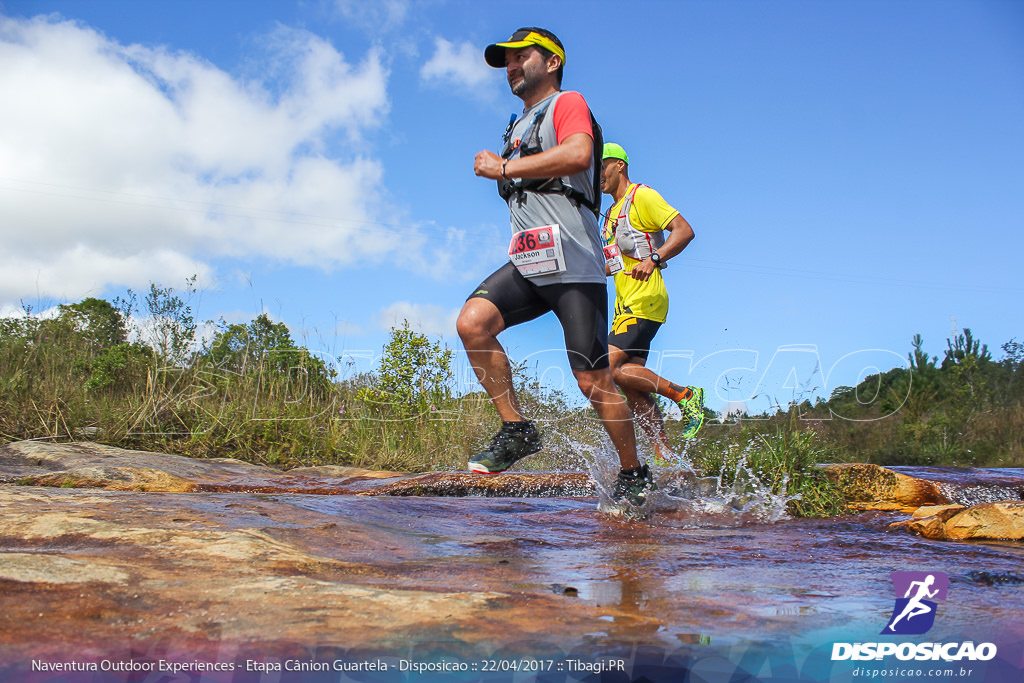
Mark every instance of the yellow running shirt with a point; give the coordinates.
(647, 213)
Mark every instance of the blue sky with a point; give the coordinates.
(854, 171)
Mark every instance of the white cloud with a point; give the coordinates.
(348, 328)
(460, 65)
(424, 318)
(380, 15)
(78, 270)
(124, 165)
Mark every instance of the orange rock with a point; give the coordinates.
(1004, 521)
(929, 521)
(115, 479)
(870, 487)
(933, 510)
(995, 521)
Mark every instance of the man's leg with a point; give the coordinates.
(632, 336)
(635, 481)
(628, 344)
(478, 326)
(637, 380)
(641, 403)
(597, 385)
(479, 323)
(636, 377)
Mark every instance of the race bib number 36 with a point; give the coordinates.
(537, 251)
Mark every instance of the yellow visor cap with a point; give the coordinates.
(494, 55)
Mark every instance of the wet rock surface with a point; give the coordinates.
(870, 487)
(85, 569)
(93, 465)
(229, 560)
(36, 458)
(998, 521)
(514, 484)
(951, 503)
(970, 485)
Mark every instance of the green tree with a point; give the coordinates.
(414, 374)
(172, 324)
(98, 321)
(914, 393)
(261, 343)
(95, 335)
(122, 365)
(265, 348)
(966, 375)
(965, 346)
(1009, 383)
(1014, 359)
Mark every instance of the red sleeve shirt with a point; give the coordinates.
(571, 116)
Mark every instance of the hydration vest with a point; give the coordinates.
(636, 244)
(533, 144)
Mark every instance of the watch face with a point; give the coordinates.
(656, 257)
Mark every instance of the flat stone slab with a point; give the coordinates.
(507, 484)
(28, 458)
(93, 465)
(84, 568)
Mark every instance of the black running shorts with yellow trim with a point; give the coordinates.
(633, 335)
(581, 308)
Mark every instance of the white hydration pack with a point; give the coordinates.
(636, 244)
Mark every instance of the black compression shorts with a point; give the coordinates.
(633, 335)
(581, 308)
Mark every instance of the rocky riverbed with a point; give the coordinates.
(118, 556)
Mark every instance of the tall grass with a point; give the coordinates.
(202, 410)
(777, 455)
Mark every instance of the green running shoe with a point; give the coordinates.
(693, 412)
(512, 443)
(634, 487)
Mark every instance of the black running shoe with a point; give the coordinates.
(515, 441)
(634, 487)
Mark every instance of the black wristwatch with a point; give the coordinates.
(656, 257)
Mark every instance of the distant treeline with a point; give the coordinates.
(966, 409)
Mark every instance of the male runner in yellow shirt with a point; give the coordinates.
(647, 232)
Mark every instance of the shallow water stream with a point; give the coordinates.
(689, 594)
(678, 591)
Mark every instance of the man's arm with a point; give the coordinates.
(573, 155)
(680, 235)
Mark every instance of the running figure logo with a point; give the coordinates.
(914, 612)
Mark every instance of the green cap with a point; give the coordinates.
(613, 151)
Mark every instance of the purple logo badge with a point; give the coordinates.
(916, 593)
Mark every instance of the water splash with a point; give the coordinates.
(685, 496)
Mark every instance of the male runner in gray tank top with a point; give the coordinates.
(546, 174)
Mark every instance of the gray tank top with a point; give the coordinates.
(580, 231)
